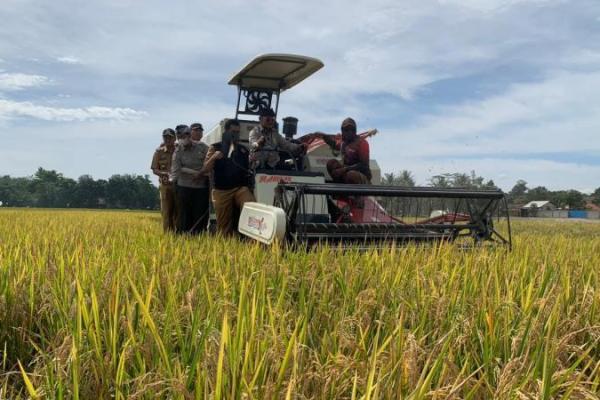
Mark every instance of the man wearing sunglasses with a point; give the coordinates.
(354, 167)
(266, 143)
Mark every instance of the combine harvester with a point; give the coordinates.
(302, 206)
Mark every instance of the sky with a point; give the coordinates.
(507, 88)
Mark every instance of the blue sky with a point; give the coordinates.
(508, 88)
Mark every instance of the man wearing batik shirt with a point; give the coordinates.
(161, 167)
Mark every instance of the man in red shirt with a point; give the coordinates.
(354, 167)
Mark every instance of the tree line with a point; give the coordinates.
(520, 194)
(572, 199)
(48, 188)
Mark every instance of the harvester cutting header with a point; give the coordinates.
(324, 188)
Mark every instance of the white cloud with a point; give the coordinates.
(69, 60)
(19, 81)
(553, 116)
(556, 115)
(409, 43)
(178, 56)
(488, 6)
(13, 109)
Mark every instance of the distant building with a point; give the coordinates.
(591, 206)
(544, 205)
(531, 209)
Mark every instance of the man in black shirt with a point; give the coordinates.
(229, 162)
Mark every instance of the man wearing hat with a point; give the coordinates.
(197, 131)
(354, 167)
(161, 167)
(191, 184)
(180, 130)
(266, 143)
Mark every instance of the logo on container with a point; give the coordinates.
(257, 224)
(274, 179)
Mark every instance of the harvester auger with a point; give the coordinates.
(369, 215)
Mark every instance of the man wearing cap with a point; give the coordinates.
(180, 130)
(197, 131)
(161, 167)
(229, 162)
(354, 167)
(192, 185)
(266, 143)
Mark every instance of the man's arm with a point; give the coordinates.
(255, 139)
(286, 145)
(176, 165)
(330, 140)
(195, 173)
(154, 166)
(211, 158)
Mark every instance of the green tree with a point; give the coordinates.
(575, 199)
(519, 189)
(461, 180)
(538, 193)
(131, 191)
(596, 197)
(51, 189)
(440, 181)
(89, 193)
(48, 188)
(15, 192)
(404, 178)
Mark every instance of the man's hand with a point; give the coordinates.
(338, 173)
(198, 176)
(261, 141)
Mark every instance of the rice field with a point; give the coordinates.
(98, 305)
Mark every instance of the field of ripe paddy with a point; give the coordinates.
(101, 304)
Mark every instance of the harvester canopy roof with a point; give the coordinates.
(276, 71)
